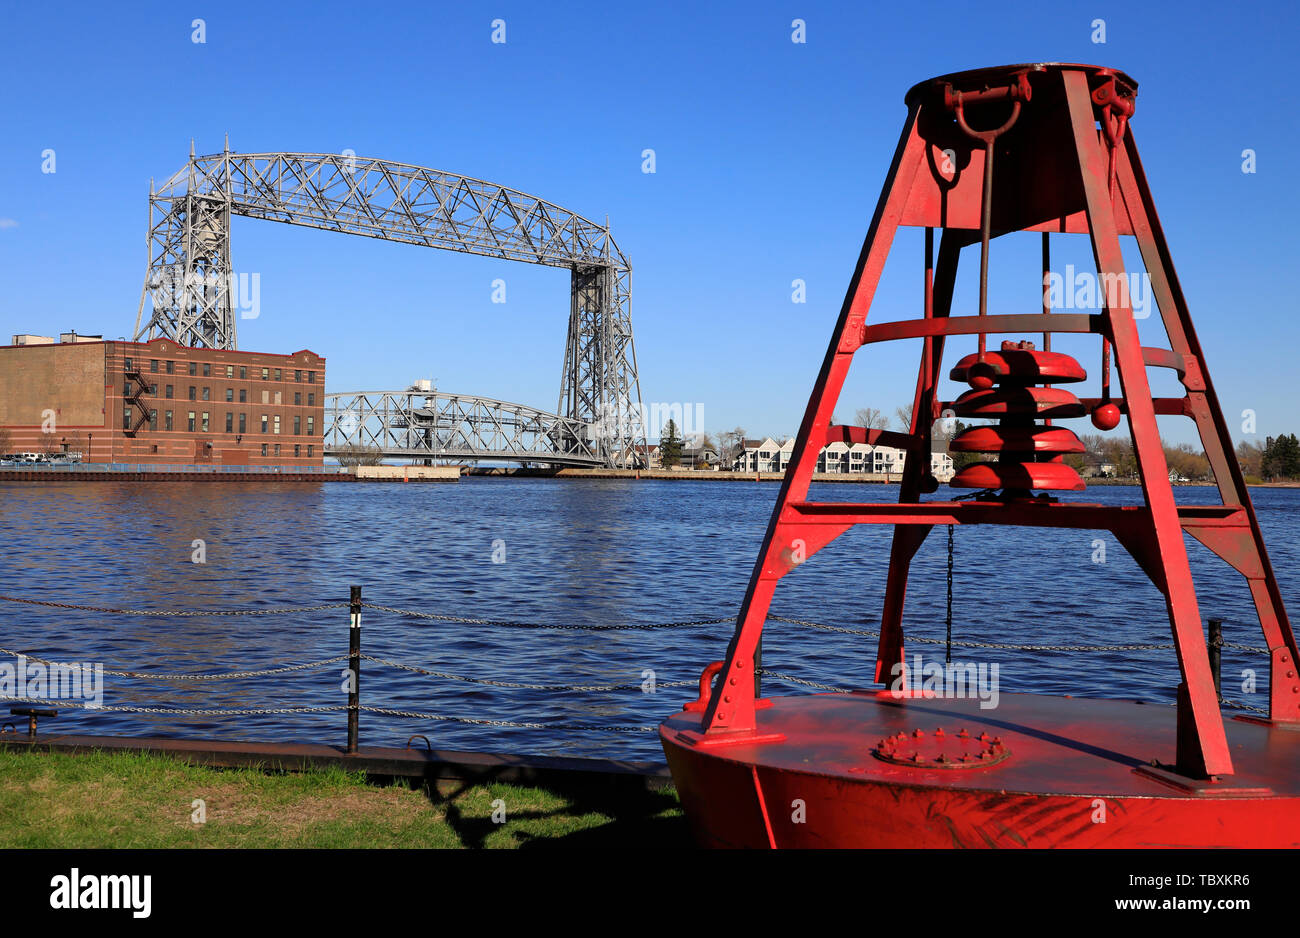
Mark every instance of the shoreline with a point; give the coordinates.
(445, 474)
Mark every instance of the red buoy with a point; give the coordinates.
(1039, 148)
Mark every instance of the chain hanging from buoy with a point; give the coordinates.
(948, 619)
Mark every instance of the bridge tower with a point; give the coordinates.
(194, 293)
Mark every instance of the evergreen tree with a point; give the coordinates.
(670, 446)
(1281, 459)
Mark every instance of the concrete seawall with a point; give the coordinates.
(706, 475)
(146, 475)
(408, 473)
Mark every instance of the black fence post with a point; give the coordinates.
(1216, 656)
(354, 665)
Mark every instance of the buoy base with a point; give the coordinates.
(1060, 772)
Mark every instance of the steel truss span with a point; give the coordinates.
(436, 425)
(191, 286)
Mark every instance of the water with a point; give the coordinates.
(576, 552)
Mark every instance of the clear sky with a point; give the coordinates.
(769, 154)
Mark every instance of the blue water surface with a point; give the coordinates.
(576, 552)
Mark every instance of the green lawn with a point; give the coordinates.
(128, 800)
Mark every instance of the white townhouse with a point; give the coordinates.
(858, 459)
(758, 456)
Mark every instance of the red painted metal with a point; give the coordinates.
(1030, 439)
(1006, 401)
(1051, 476)
(1041, 366)
(1066, 161)
(1073, 774)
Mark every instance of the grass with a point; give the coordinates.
(128, 800)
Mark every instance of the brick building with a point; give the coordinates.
(159, 402)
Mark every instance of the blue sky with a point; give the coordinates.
(770, 156)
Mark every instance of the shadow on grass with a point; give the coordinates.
(635, 816)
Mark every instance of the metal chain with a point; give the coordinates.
(550, 687)
(526, 726)
(798, 680)
(251, 711)
(685, 623)
(1241, 706)
(688, 623)
(219, 676)
(174, 711)
(948, 620)
(939, 641)
(165, 614)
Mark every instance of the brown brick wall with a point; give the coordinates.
(67, 379)
(61, 376)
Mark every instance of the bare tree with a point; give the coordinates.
(6, 438)
(1249, 455)
(49, 444)
(870, 418)
(731, 442)
(904, 417)
(357, 455)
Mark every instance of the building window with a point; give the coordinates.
(207, 394)
(243, 373)
(277, 374)
(230, 371)
(230, 395)
(311, 421)
(243, 422)
(167, 420)
(153, 365)
(230, 421)
(265, 421)
(263, 449)
(243, 395)
(205, 421)
(266, 373)
(278, 398)
(277, 423)
(297, 450)
(126, 419)
(297, 398)
(311, 377)
(190, 422)
(192, 389)
(153, 420)
(194, 368)
(266, 397)
(277, 449)
(311, 399)
(297, 425)
(171, 368)
(310, 447)
(128, 365)
(297, 375)
(169, 390)
(153, 389)
(207, 370)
